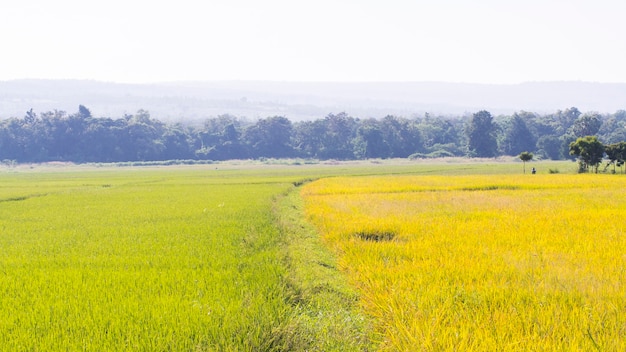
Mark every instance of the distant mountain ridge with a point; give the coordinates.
(195, 101)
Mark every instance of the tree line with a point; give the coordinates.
(80, 137)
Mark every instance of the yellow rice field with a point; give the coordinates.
(482, 262)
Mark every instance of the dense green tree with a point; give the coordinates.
(565, 119)
(53, 134)
(549, 146)
(141, 137)
(541, 125)
(616, 153)
(481, 135)
(177, 143)
(517, 137)
(589, 151)
(13, 141)
(30, 117)
(221, 139)
(73, 140)
(24, 139)
(613, 129)
(309, 137)
(84, 112)
(441, 136)
(370, 142)
(438, 131)
(270, 137)
(231, 146)
(401, 136)
(337, 140)
(587, 125)
(566, 141)
(102, 145)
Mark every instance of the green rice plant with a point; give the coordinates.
(154, 260)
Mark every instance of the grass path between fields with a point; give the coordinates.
(326, 316)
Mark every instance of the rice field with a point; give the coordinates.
(141, 260)
(481, 262)
(259, 258)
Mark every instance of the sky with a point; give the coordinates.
(473, 41)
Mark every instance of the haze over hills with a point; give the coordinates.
(194, 101)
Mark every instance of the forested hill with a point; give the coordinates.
(196, 101)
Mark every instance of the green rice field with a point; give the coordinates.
(148, 260)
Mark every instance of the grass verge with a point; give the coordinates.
(326, 316)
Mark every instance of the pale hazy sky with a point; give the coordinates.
(482, 41)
